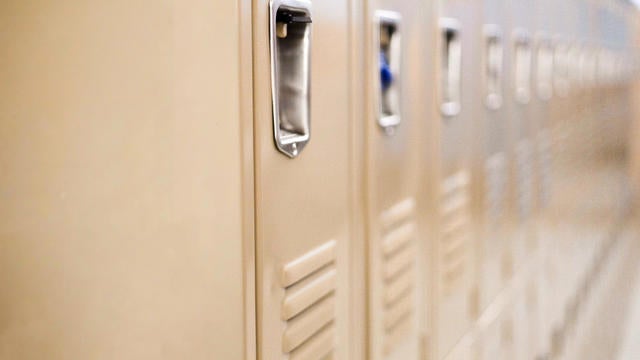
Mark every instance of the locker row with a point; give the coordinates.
(305, 179)
(463, 166)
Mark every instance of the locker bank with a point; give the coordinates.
(307, 180)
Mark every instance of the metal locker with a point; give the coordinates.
(552, 238)
(303, 151)
(584, 232)
(456, 293)
(396, 57)
(491, 156)
(549, 81)
(551, 137)
(543, 83)
(128, 198)
(521, 92)
(576, 123)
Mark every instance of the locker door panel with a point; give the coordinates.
(521, 45)
(456, 246)
(393, 227)
(123, 158)
(550, 70)
(302, 199)
(492, 155)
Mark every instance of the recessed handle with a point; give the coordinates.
(387, 72)
(544, 68)
(290, 42)
(494, 55)
(561, 68)
(451, 72)
(522, 66)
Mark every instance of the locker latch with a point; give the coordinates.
(290, 43)
(388, 48)
(494, 54)
(451, 72)
(544, 67)
(522, 65)
(560, 67)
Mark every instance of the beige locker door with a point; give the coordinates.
(456, 304)
(394, 137)
(562, 108)
(522, 91)
(302, 203)
(121, 149)
(550, 84)
(492, 155)
(543, 92)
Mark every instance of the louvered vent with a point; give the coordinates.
(398, 267)
(496, 182)
(545, 159)
(455, 229)
(309, 305)
(524, 169)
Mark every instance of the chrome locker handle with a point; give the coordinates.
(561, 67)
(544, 68)
(451, 72)
(290, 45)
(493, 66)
(522, 66)
(387, 73)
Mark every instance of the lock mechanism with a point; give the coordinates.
(290, 42)
(387, 56)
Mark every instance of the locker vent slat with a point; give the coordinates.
(544, 161)
(300, 299)
(398, 272)
(524, 174)
(495, 170)
(308, 306)
(454, 239)
(317, 348)
(308, 263)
